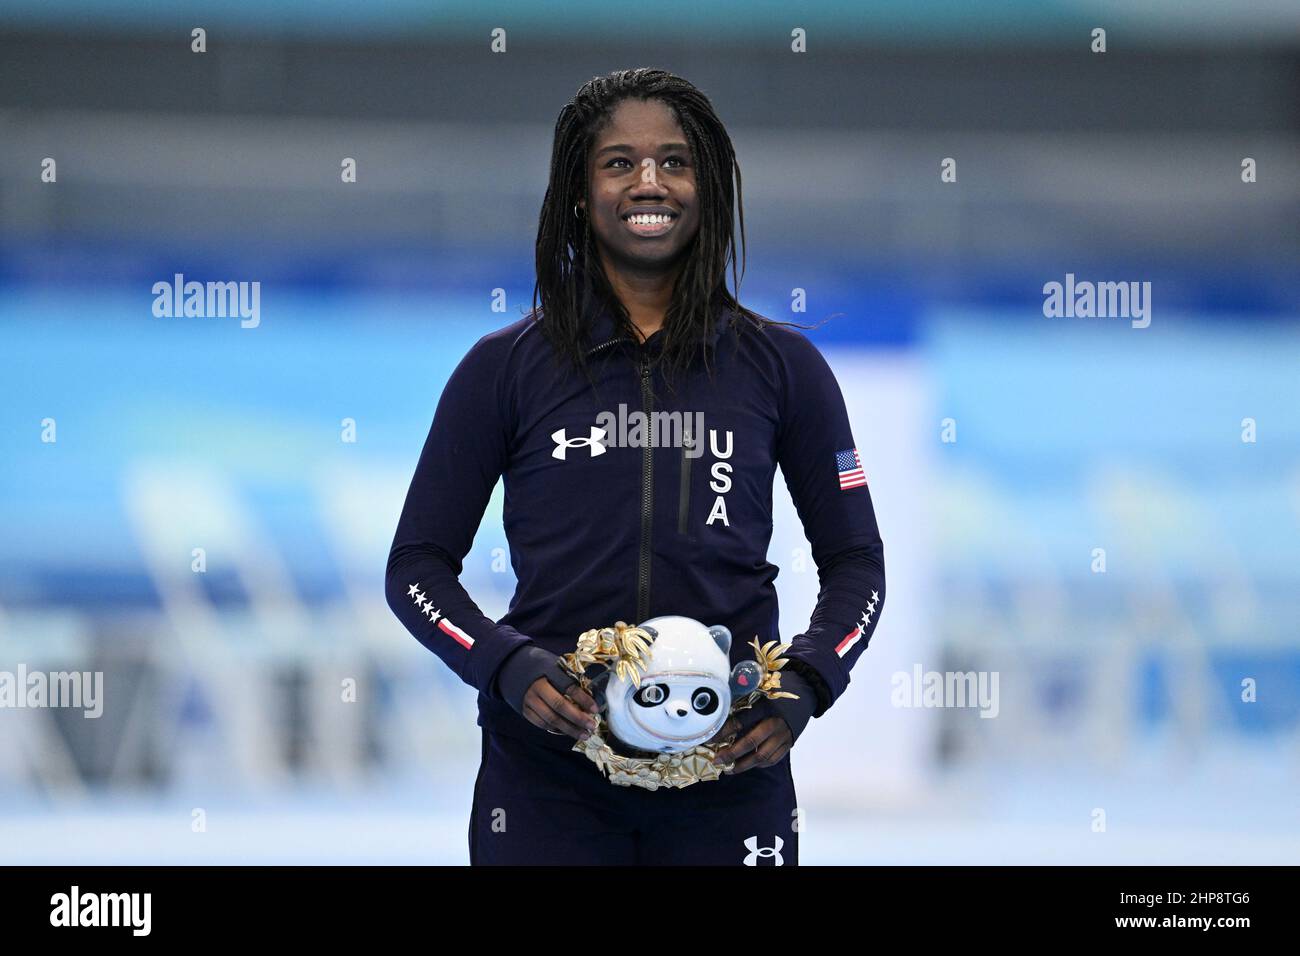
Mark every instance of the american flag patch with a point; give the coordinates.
(846, 643)
(432, 613)
(850, 468)
(455, 633)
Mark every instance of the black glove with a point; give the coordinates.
(522, 667)
(795, 713)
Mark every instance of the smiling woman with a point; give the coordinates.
(638, 215)
(659, 202)
(632, 247)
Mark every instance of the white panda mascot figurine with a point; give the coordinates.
(685, 692)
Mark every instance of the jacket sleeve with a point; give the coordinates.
(463, 456)
(827, 481)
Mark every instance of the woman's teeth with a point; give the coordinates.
(642, 220)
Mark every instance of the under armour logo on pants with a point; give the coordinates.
(756, 851)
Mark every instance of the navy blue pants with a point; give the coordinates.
(538, 806)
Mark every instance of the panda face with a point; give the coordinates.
(704, 700)
(677, 711)
(682, 696)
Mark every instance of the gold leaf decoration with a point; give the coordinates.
(626, 649)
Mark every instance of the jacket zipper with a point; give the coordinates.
(684, 494)
(647, 503)
(647, 492)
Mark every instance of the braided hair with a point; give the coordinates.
(569, 274)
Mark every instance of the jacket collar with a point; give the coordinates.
(601, 331)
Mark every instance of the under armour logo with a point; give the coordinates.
(756, 851)
(563, 443)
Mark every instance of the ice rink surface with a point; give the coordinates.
(1229, 809)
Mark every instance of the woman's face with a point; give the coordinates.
(641, 164)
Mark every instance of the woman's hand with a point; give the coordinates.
(573, 712)
(769, 728)
(764, 743)
(533, 682)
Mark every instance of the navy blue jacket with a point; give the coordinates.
(601, 530)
